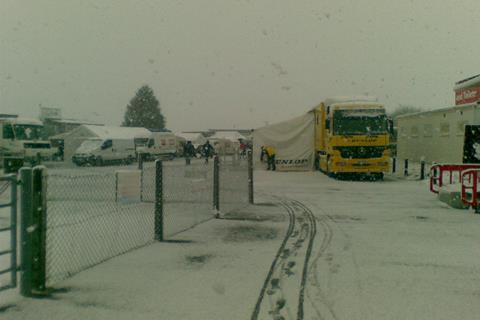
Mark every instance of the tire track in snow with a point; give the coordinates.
(295, 252)
(314, 274)
(313, 232)
(274, 265)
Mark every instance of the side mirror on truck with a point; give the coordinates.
(390, 127)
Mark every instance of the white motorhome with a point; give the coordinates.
(97, 152)
(23, 138)
(437, 135)
(158, 144)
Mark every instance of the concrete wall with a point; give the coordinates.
(436, 136)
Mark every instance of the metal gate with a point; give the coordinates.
(9, 182)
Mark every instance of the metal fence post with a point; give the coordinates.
(13, 231)
(422, 170)
(405, 168)
(140, 167)
(394, 164)
(159, 200)
(39, 235)
(250, 176)
(216, 186)
(26, 198)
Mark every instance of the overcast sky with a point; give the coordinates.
(231, 63)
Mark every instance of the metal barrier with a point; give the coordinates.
(443, 174)
(470, 180)
(9, 182)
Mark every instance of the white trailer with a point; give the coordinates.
(435, 136)
(159, 144)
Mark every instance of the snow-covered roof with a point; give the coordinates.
(469, 82)
(345, 99)
(110, 132)
(227, 135)
(193, 137)
(362, 104)
(446, 109)
(25, 121)
(74, 121)
(188, 135)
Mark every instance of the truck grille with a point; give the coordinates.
(33, 145)
(361, 152)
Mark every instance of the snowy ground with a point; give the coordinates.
(374, 250)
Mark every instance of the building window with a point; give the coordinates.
(403, 132)
(414, 132)
(427, 130)
(445, 129)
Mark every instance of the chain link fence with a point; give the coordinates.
(187, 193)
(89, 222)
(233, 183)
(94, 214)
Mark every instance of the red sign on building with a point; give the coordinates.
(467, 95)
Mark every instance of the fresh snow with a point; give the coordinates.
(382, 250)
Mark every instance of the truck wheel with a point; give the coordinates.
(130, 160)
(378, 176)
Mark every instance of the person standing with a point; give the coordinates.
(207, 150)
(262, 153)
(243, 149)
(188, 151)
(270, 152)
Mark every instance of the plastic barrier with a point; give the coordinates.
(443, 174)
(470, 187)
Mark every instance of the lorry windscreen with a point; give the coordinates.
(359, 122)
(28, 132)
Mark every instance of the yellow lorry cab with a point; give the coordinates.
(352, 137)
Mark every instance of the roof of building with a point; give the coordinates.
(468, 82)
(24, 121)
(74, 121)
(446, 109)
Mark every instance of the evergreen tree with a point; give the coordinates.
(144, 111)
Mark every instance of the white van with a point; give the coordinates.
(159, 145)
(97, 152)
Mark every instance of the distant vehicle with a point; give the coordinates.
(352, 137)
(158, 145)
(23, 139)
(98, 152)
